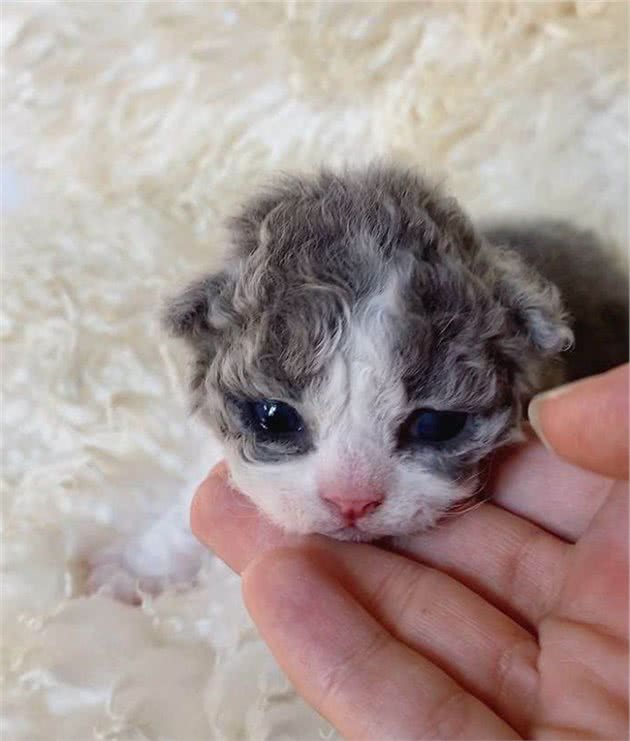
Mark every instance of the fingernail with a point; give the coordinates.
(535, 405)
(533, 414)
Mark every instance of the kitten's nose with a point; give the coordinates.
(354, 509)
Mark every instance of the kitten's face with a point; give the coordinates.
(356, 456)
(362, 355)
(364, 430)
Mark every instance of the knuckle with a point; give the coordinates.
(449, 717)
(515, 673)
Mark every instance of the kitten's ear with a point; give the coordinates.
(535, 306)
(191, 315)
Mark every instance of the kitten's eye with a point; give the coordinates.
(433, 426)
(272, 418)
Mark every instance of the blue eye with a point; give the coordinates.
(272, 418)
(433, 426)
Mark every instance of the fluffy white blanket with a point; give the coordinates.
(129, 131)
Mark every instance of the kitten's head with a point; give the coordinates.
(362, 351)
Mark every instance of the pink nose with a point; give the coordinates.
(354, 509)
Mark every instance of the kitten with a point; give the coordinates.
(365, 348)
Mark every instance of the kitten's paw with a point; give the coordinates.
(164, 554)
(111, 573)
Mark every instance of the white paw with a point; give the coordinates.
(111, 573)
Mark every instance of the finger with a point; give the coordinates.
(513, 564)
(486, 652)
(587, 422)
(531, 482)
(347, 666)
(229, 524)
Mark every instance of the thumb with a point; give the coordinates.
(586, 422)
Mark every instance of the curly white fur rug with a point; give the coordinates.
(129, 131)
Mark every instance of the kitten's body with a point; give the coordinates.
(360, 299)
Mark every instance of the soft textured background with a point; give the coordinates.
(129, 131)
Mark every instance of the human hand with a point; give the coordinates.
(510, 621)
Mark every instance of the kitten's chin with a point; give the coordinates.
(352, 535)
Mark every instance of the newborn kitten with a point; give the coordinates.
(365, 348)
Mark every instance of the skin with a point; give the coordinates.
(508, 622)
